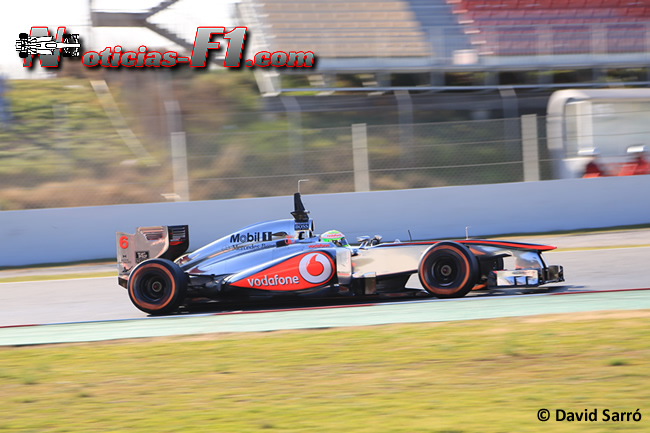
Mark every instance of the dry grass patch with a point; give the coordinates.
(473, 376)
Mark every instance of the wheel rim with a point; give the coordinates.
(445, 270)
(154, 288)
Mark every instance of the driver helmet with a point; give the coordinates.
(336, 237)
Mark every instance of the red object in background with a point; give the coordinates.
(593, 170)
(638, 166)
(642, 166)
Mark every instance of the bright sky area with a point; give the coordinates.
(19, 16)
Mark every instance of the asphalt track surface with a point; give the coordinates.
(613, 266)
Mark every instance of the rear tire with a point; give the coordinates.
(157, 286)
(448, 270)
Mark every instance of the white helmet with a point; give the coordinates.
(336, 237)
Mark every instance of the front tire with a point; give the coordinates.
(448, 270)
(157, 286)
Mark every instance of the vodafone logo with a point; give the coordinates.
(300, 272)
(315, 268)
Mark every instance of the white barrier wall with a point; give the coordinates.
(73, 234)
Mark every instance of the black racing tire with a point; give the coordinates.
(448, 270)
(23, 35)
(157, 286)
(22, 54)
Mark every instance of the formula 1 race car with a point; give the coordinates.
(285, 258)
(45, 45)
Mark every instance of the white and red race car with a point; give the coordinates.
(285, 258)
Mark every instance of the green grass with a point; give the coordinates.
(475, 376)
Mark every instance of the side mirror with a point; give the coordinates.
(364, 241)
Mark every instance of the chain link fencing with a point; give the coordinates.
(268, 163)
(234, 164)
(445, 154)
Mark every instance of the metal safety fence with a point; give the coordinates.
(443, 154)
(228, 165)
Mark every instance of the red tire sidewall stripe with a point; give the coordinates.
(146, 304)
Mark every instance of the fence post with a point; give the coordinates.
(360, 157)
(405, 117)
(530, 147)
(179, 152)
(62, 139)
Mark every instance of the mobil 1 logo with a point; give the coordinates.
(241, 238)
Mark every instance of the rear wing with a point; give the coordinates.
(168, 242)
